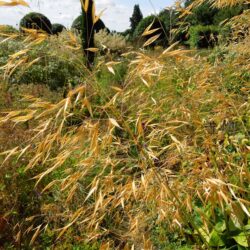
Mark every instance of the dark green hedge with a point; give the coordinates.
(35, 20)
(57, 28)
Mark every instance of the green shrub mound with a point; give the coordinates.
(99, 25)
(54, 69)
(203, 36)
(78, 23)
(57, 28)
(37, 21)
(157, 24)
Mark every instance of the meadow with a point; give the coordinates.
(146, 149)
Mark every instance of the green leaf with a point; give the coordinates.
(242, 239)
(220, 227)
(215, 240)
(234, 224)
(203, 232)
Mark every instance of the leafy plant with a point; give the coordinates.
(203, 36)
(54, 67)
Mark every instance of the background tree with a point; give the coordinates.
(202, 15)
(136, 17)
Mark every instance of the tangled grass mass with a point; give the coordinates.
(146, 148)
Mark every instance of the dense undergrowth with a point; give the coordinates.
(149, 150)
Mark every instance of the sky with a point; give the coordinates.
(116, 16)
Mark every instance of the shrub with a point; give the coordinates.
(37, 21)
(57, 28)
(203, 14)
(203, 36)
(127, 33)
(99, 25)
(227, 13)
(7, 29)
(78, 23)
(55, 68)
(157, 24)
(115, 42)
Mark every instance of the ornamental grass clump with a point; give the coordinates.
(165, 151)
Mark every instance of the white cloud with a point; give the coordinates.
(65, 11)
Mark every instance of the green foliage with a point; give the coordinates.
(127, 33)
(77, 24)
(170, 20)
(7, 29)
(163, 239)
(136, 17)
(227, 13)
(203, 36)
(57, 28)
(8, 48)
(106, 79)
(35, 20)
(56, 73)
(99, 25)
(157, 23)
(223, 230)
(201, 15)
(55, 69)
(205, 14)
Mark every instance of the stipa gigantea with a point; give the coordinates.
(113, 188)
(143, 160)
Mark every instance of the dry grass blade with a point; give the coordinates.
(151, 40)
(14, 3)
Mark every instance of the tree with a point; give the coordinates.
(203, 14)
(136, 17)
(227, 13)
